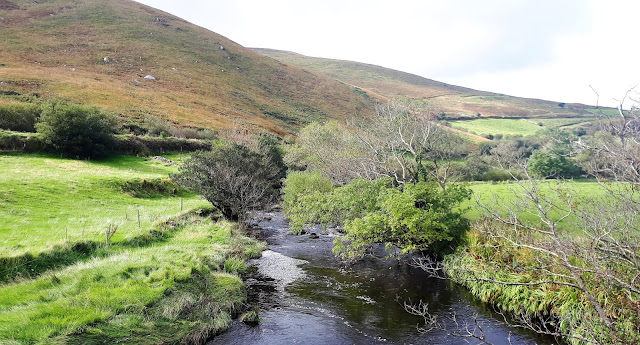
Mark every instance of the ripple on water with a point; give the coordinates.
(281, 268)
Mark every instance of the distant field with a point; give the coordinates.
(488, 192)
(514, 126)
(46, 200)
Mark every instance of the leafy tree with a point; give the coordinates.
(331, 149)
(419, 218)
(553, 163)
(333, 207)
(77, 131)
(232, 178)
(269, 146)
(301, 183)
(19, 117)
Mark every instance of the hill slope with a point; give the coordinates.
(455, 101)
(98, 52)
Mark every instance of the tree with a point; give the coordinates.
(333, 150)
(553, 238)
(400, 141)
(418, 218)
(232, 178)
(77, 131)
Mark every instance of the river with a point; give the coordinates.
(307, 296)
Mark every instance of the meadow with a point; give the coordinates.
(170, 277)
(505, 192)
(515, 127)
(47, 201)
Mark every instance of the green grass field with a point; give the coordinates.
(172, 278)
(47, 201)
(515, 126)
(135, 294)
(493, 193)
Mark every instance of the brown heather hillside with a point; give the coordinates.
(455, 101)
(57, 48)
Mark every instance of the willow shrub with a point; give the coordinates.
(317, 204)
(415, 218)
(419, 218)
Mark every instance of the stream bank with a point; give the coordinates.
(306, 295)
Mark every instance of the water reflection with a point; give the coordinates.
(362, 304)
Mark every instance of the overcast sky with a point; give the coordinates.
(549, 49)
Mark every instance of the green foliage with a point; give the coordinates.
(419, 218)
(152, 188)
(328, 148)
(77, 131)
(333, 207)
(232, 178)
(269, 147)
(20, 141)
(19, 117)
(554, 162)
(485, 259)
(301, 183)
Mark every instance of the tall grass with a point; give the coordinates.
(151, 285)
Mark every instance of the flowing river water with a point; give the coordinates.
(307, 296)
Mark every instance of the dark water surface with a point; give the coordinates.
(308, 297)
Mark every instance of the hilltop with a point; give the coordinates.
(100, 52)
(454, 101)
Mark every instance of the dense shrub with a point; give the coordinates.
(232, 178)
(152, 188)
(419, 218)
(269, 147)
(144, 146)
(550, 163)
(24, 142)
(77, 131)
(334, 207)
(301, 183)
(496, 175)
(19, 117)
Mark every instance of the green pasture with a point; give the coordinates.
(143, 294)
(514, 126)
(507, 192)
(47, 201)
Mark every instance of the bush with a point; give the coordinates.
(336, 206)
(77, 131)
(156, 126)
(232, 178)
(496, 175)
(548, 163)
(144, 146)
(151, 188)
(19, 117)
(25, 142)
(300, 183)
(420, 218)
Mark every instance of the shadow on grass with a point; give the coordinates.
(29, 266)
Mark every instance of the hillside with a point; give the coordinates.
(455, 101)
(98, 52)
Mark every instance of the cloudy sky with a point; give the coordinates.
(549, 49)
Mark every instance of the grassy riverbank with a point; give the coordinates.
(554, 308)
(170, 278)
